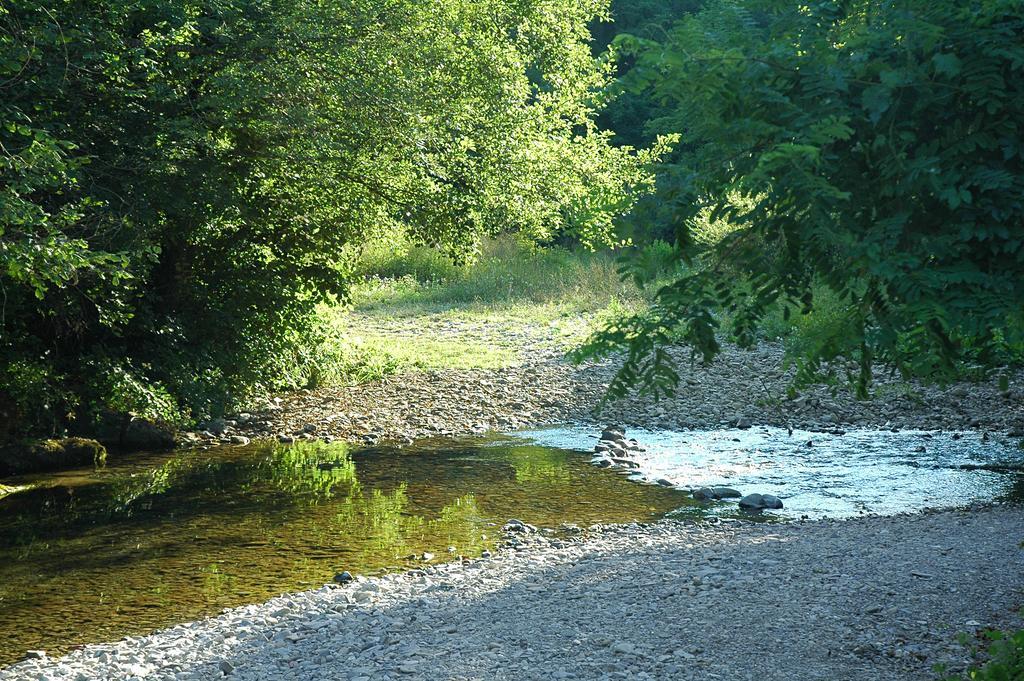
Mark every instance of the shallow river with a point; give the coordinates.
(92, 555)
(826, 474)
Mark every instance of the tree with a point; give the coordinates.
(181, 182)
(870, 149)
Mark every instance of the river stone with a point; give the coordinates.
(50, 454)
(216, 426)
(704, 494)
(343, 577)
(612, 434)
(760, 501)
(726, 493)
(752, 501)
(519, 526)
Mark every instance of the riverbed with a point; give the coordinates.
(96, 554)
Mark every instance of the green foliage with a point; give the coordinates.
(875, 149)
(628, 113)
(183, 184)
(1005, 659)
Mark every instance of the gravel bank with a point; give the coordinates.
(866, 599)
(740, 387)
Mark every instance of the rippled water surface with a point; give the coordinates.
(822, 474)
(92, 555)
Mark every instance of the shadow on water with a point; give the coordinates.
(91, 555)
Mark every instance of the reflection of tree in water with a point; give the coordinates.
(462, 525)
(187, 485)
(539, 464)
(384, 525)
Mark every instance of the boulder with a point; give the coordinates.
(726, 493)
(752, 501)
(704, 494)
(216, 426)
(143, 434)
(133, 433)
(613, 434)
(50, 455)
(716, 493)
(758, 502)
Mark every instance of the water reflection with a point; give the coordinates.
(92, 555)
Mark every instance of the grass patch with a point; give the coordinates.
(415, 353)
(507, 273)
(412, 309)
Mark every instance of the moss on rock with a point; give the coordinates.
(49, 455)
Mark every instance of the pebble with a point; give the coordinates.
(540, 388)
(671, 600)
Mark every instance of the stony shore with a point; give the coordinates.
(861, 600)
(740, 387)
(866, 599)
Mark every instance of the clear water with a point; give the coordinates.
(93, 555)
(859, 472)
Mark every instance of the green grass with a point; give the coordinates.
(412, 309)
(507, 273)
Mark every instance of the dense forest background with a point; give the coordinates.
(183, 185)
